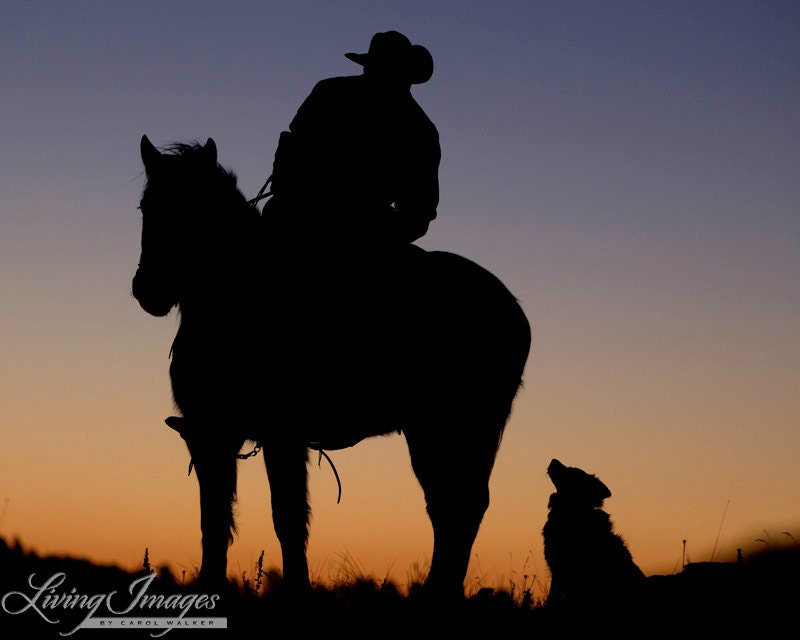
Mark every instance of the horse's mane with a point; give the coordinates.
(228, 180)
(177, 148)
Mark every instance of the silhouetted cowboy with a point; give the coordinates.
(354, 184)
(357, 171)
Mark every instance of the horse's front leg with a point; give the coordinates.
(286, 462)
(215, 466)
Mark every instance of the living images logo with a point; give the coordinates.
(53, 601)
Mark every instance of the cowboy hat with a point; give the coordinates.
(390, 52)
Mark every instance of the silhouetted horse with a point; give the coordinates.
(443, 368)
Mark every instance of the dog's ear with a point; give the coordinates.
(575, 486)
(599, 491)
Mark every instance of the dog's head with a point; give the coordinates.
(575, 487)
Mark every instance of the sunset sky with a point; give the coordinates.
(630, 169)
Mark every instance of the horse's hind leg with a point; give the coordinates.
(215, 466)
(454, 471)
(287, 471)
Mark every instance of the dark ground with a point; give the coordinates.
(758, 596)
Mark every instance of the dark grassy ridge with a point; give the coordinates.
(760, 595)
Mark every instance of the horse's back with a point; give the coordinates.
(477, 303)
(462, 340)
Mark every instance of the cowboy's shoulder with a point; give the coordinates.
(338, 85)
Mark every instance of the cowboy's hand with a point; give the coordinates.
(410, 228)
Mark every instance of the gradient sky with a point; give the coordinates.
(629, 169)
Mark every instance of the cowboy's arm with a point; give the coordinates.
(291, 155)
(416, 207)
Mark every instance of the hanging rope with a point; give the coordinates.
(330, 462)
(178, 423)
(312, 445)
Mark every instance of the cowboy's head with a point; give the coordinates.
(392, 58)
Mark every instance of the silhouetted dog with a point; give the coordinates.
(590, 565)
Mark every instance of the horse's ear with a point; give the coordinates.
(150, 154)
(211, 150)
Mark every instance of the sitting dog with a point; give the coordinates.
(591, 567)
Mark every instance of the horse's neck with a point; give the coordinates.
(225, 274)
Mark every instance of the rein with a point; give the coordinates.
(262, 193)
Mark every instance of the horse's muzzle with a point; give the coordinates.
(152, 294)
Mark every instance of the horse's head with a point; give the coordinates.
(175, 206)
